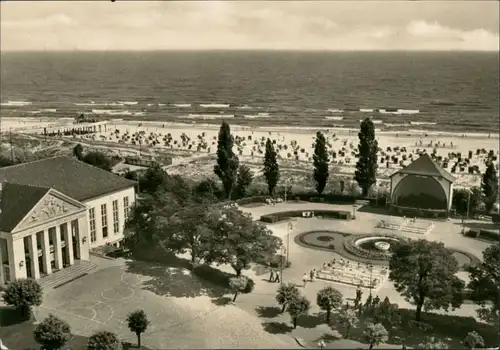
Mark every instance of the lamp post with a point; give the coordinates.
(467, 214)
(282, 254)
(289, 227)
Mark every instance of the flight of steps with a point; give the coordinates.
(79, 268)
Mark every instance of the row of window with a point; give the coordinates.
(104, 218)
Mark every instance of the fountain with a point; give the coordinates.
(381, 245)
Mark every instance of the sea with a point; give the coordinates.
(435, 91)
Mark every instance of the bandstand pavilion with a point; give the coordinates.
(53, 211)
(422, 187)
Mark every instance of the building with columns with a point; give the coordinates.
(53, 211)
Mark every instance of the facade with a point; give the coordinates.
(53, 211)
(422, 185)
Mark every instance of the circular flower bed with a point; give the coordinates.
(361, 245)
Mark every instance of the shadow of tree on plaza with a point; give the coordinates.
(175, 277)
(10, 316)
(328, 337)
(268, 311)
(311, 320)
(277, 327)
(221, 301)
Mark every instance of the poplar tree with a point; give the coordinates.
(320, 162)
(227, 162)
(366, 167)
(489, 185)
(271, 167)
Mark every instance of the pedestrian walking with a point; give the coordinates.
(304, 279)
(271, 276)
(278, 277)
(311, 275)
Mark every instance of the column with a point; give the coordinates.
(68, 237)
(17, 264)
(46, 253)
(58, 248)
(2, 279)
(33, 251)
(84, 238)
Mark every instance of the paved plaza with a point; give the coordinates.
(186, 313)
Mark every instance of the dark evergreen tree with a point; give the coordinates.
(366, 167)
(227, 162)
(271, 167)
(78, 151)
(489, 186)
(320, 162)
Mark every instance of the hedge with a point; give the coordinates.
(286, 215)
(251, 200)
(486, 234)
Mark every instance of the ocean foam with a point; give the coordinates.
(334, 118)
(94, 104)
(209, 116)
(374, 121)
(258, 115)
(214, 105)
(182, 105)
(366, 110)
(244, 107)
(423, 123)
(128, 103)
(49, 110)
(399, 111)
(15, 104)
(161, 104)
(335, 110)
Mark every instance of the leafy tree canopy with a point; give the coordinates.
(485, 284)
(489, 186)
(424, 273)
(227, 162)
(98, 159)
(103, 340)
(286, 292)
(375, 334)
(22, 294)
(244, 180)
(52, 333)
(329, 299)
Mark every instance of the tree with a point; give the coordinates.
(238, 284)
(347, 319)
(329, 299)
(431, 343)
(464, 199)
(78, 151)
(153, 179)
(297, 307)
(4, 161)
(375, 334)
(131, 175)
(138, 323)
(424, 273)
(271, 167)
(207, 188)
(473, 340)
(23, 294)
(286, 293)
(386, 313)
(188, 230)
(485, 284)
(489, 186)
(227, 162)
(237, 240)
(99, 160)
(321, 161)
(52, 333)
(103, 340)
(366, 167)
(244, 180)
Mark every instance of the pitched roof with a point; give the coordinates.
(16, 201)
(67, 175)
(425, 165)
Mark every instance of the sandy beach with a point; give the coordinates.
(294, 145)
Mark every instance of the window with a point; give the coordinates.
(126, 208)
(116, 221)
(93, 237)
(104, 220)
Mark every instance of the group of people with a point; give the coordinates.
(275, 276)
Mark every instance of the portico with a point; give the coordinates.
(50, 236)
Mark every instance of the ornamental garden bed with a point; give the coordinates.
(368, 252)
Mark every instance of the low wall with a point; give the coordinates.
(418, 212)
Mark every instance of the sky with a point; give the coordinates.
(239, 25)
